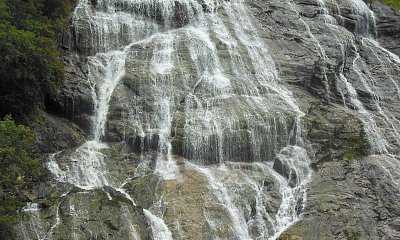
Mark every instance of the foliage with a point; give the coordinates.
(6, 230)
(17, 168)
(29, 70)
(29, 64)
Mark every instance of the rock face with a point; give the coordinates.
(83, 215)
(74, 101)
(344, 197)
(56, 134)
(388, 26)
(356, 199)
(210, 119)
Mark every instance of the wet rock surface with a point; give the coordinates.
(86, 214)
(209, 216)
(351, 199)
(344, 200)
(388, 22)
(74, 100)
(328, 58)
(55, 134)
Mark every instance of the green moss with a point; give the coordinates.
(357, 146)
(39, 120)
(350, 155)
(351, 234)
(395, 4)
(293, 233)
(47, 202)
(178, 140)
(117, 199)
(113, 202)
(242, 124)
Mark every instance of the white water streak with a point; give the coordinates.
(159, 229)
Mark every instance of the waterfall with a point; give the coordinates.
(160, 230)
(365, 30)
(195, 134)
(204, 88)
(320, 49)
(378, 137)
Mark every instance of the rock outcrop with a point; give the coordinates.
(388, 30)
(352, 199)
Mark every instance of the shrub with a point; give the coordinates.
(16, 166)
(16, 169)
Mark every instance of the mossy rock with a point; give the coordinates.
(143, 189)
(350, 155)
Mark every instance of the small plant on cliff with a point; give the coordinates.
(350, 155)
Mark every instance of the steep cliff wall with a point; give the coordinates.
(325, 49)
(225, 119)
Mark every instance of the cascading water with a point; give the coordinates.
(187, 95)
(88, 170)
(365, 30)
(320, 49)
(204, 113)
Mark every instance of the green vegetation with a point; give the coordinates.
(392, 3)
(350, 155)
(30, 69)
(17, 170)
(29, 64)
(16, 166)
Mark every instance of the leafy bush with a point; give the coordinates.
(29, 68)
(17, 168)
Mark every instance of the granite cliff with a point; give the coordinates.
(203, 119)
